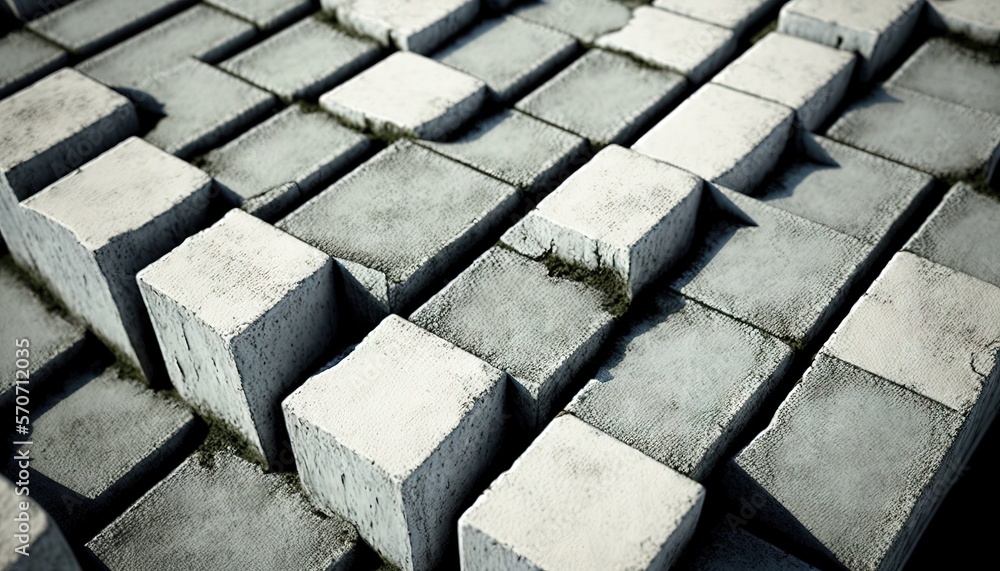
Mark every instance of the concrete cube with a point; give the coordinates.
(660, 38)
(407, 95)
(948, 71)
(540, 329)
(266, 14)
(241, 311)
(43, 548)
(395, 436)
(729, 548)
(737, 15)
(511, 55)
(26, 58)
(977, 19)
(226, 514)
(587, 97)
(415, 233)
(303, 61)
(579, 499)
(723, 136)
(412, 26)
(664, 391)
(808, 77)
(582, 19)
(622, 211)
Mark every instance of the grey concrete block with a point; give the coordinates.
(413, 233)
(410, 26)
(26, 58)
(509, 54)
(737, 15)
(266, 14)
(723, 136)
(660, 38)
(241, 312)
(729, 548)
(395, 436)
(587, 98)
(304, 61)
(951, 72)
(664, 391)
(977, 19)
(283, 161)
(407, 94)
(507, 310)
(583, 19)
(26, 10)
(226, 515)
(579, 499)
(43, 547)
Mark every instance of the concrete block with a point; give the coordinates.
(729, 548)
(93, 230)
(507, 310)
(622, 211)
(85, 27)
(723, 136)
(518, 149)
(951, 72)
(511, 55)
(395, 437)
(241, 312)
(962, 234)
(26, 10)
(877, 31)
(266, 14)
(851, 466)
(280, 163)
(579, 499)
(46, 548)
(808, 77)
(407, 94)
(977, 19)
(202, 106)
(935, 136)
(586, 98)
(737, 15)
(416, 233)
(222, 515)
(304, 61)
(26, 58)
(410, 26)
(582, 19)
(660, 38)
(664, 391)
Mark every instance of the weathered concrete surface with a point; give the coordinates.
(395, 436)
(266, 14)
(737, 15)
(579, 499)
(227, 515)
(46, 549)
(26, 10)
(728, 548)
(664, 391)
(948, 71)
(26, 58)
(583, 19)
(977, 19)
(586, 98)
(411, 26)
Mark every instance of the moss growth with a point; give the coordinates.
(987, 53)
(764, 31)
(39, 287)
(222, 437)
(605, 280)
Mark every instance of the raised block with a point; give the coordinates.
(582, 19)
(411, 26)
(977, 19)
(729, 548)
(951, 72)
(737, 15)
(395, 436)
(587, 97)
(407, 94)
(622, 211)
(43, 548)
(266, 14)
(241, 311)
(26, 58)
(723, 136)
(579, 499)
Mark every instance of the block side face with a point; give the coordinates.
(480, 552)
(48, 548)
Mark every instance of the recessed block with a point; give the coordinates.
(583, 19)
(411, 26)
(266, 14)
(977, 19)
(729, 548)
(737, 15)
(25, 58)
(951, 72)
(45, 548)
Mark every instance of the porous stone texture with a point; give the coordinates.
(281, 162)
(977, 19)
(877, 31)
(729, 548)
(951, 72)
(27, 10)
(93, 230)
(509, 54)
(663, 390)
(583, 19)
(227, 514)
(395, 436)
(622, 211)
(303, 61)
(407, 94)
(852, 466)
(507, 310)
(44, 547)
(415, 233)
(723, 136)
(241, 312)
(660, 38)
(266, 14)
(586, 98)
(411, 26)
(737, 15)
(962, 234)
(579, 499)
(808, 77)
(518, 149)
(25, 58)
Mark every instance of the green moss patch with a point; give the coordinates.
(605, 280)
(222, 437)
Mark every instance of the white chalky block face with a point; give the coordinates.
(579, 499)
(240, 311)
(657, 37)
(737, 15)
(25, 58)
(266, 14)
(808, 77)
(395, 436)
(43, 542)
(412, 26)
(977, 19)
(723, 136)
(96, 228)
(583, 19)
(948, 71)
(407, 94)
(622, 211)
